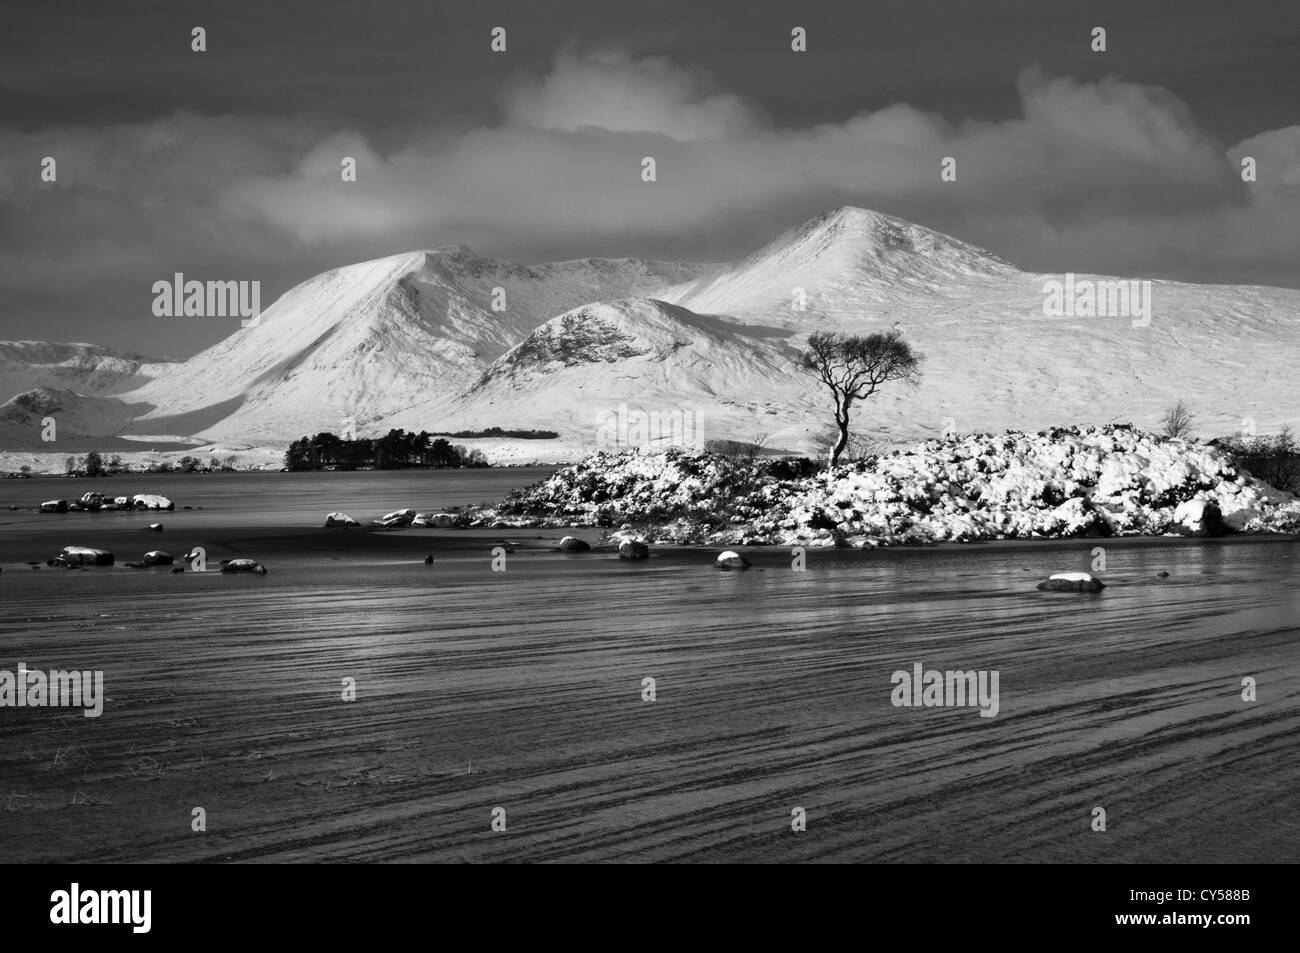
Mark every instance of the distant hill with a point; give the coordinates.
(85, 368)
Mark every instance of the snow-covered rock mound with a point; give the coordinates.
(1057, 483)
(1063, 482)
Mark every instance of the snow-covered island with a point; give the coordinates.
(1064, 482)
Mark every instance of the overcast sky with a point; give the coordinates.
(225, 164)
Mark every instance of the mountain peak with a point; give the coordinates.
(838, 261)
(855, 214)
(867, 232)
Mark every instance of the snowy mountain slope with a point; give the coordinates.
(575, 370)
(993, 360)
(412, 341)
(368, 341)
(85, 368)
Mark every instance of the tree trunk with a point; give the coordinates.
(842, 422)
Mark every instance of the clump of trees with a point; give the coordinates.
(94, 465)
(1274, 459)
(188, 464)
(395, 451)
(498, 432)
(854, 368)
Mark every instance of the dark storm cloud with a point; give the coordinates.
(226, 164)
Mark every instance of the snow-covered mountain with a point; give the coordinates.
(414, 341)
(993, 360)
(640, 354)
(85, 368)
(370, 341)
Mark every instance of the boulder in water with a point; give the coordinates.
(243, 565)
(633, 549)
(731, 560)
(156, 527)
(571, 544)
(1072, 582)
(340, 521)
(82, 556)
(438, 520)
(148, 501)
(54, 506)
(157, 557)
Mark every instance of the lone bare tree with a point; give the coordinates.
(855, 367)
(1177, 421)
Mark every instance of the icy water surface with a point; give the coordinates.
(523, 690)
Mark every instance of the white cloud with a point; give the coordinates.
(1110, 176)
(611, 91)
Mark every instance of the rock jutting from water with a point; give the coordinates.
(632, 549)
(151, 501)
(243, 566)
(1072, 582)
(81, 556)
(435, 520)
(97, 502)
(396, 519)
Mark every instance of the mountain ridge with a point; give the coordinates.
(448, 339)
